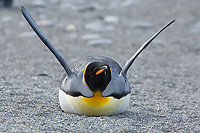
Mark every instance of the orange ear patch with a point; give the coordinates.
(99, 71)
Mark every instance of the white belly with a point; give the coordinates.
(79, 105)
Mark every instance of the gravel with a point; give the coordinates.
(164, 79)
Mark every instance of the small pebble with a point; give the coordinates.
(160, 42)
(73, 35)
(90, 6)
(100, 42)
(86, 7)
(7, 19)
(129, 2)
(71, 27)
(195, 28)
(43, 75)
(98, 26)
(67, 6)
(95, 26)
(28, 34)
(90, 36)
(188, 20)
(142, 25)
(45, 23)
(39, 3)
(111, 19)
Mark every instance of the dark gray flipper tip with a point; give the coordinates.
(22, 9)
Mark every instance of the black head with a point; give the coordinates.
(97, 76)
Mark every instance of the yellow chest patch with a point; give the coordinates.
(97, 100)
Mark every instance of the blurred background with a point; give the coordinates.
(164, 79)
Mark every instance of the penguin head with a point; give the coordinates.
(97, 76)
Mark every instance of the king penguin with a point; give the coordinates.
(96, 85)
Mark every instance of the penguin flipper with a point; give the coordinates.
(44, 39)
(131, 60)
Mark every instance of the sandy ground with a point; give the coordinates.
(164, 79)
